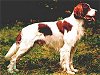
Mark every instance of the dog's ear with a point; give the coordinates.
(81, 10)
(78, 11)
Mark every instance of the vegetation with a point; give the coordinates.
(44, 60)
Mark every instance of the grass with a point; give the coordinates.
(44, 60)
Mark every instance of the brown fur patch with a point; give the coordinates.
(81, 10)
(64, 25)
(18, 39)
(43, 28)
(78, 11)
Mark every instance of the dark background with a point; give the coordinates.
(42, 10)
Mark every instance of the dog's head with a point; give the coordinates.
(84, 11)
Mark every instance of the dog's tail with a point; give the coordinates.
(11, 51)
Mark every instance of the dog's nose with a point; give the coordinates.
(95, 12)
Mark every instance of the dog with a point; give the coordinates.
(70, 30)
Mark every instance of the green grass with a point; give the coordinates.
(44, 60)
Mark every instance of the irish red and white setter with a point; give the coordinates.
(70, 30)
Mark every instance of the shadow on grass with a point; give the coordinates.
(88, 63)
(43, 64)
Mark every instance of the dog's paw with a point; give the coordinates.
(75, 70)
(10, 70)
(70, 72)
(16, 70)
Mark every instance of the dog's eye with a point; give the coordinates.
(86, 7)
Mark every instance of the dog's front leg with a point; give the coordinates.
(65, 58)
(71, 59)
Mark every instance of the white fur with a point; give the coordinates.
(31, 33)
(91, 12)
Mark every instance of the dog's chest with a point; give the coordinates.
(80, 32)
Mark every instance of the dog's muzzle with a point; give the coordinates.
(90, 18)
(91, 15)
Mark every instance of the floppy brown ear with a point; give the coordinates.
(78, 11)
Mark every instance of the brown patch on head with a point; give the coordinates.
(43, 28)
(64, 25)
(86, 8)
(18, 39)
(81, 10)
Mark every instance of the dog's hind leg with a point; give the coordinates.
(22, 49)
(12, 51)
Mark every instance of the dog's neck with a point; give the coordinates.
(74, 21)
(78, 21)
(77, 24)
